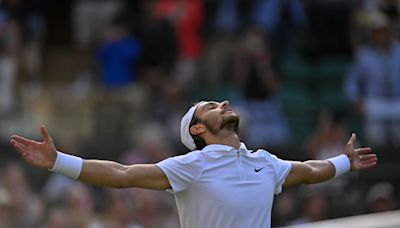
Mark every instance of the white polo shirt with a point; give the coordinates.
(220, 186)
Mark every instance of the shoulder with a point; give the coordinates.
(190, 162)
(268, 157)
(189, 157)
(261, 153)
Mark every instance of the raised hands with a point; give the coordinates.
(38, 154)
(360, 158)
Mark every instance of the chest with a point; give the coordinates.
(237, 182)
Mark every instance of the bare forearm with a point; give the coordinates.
(115, 175)
(309, 172)
(321, 170)
(104, 173)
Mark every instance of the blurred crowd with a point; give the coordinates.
(111, 79)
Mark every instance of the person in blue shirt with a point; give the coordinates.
(117, 56)
(373, 83)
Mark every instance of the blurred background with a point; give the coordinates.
(111, 80)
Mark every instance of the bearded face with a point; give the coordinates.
(217, 118)
(228, 123)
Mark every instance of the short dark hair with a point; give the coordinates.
(199, 141)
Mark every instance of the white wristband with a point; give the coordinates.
(341, 164)
(68, 165)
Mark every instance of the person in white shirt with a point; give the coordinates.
(220, 183)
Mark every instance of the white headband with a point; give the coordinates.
(186, 138)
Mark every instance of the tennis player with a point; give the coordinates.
(220, 183)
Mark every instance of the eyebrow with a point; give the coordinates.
(208, 104)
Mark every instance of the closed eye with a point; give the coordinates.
(213, 106)
(210, 106)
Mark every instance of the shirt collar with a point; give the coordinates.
(224, 148)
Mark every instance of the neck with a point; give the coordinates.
(224, 138)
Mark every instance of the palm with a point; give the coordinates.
(38, 154)
(360, 158)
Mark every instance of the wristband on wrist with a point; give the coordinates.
(67, 165)
(341, 164)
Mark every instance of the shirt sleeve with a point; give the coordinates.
(182, 171)
(282, 169)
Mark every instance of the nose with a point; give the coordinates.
(225, 104)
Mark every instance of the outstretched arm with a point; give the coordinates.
(316, 171)
(98, 172)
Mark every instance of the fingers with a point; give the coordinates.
(364, 150)
(13, 142)
(21, 148)
(368, 161)
(352, 140)
(27, 142)
(45, 134)
(22, 140)
(368, 165)
(369, 156)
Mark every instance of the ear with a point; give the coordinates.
(197, 129)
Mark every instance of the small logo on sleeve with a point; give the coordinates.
(258, 170)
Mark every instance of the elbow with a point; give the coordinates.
(121, 181)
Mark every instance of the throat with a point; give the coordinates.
(228, 140)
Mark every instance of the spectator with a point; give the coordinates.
(373, 83)
(160, 46)
(329, 136)
(380, 198)
(258, 83)
(117, 56)
(151, 145)
(119, 208)
(284, 208)
(26, 207)
(10, 45)
(90, 18)
(56, 218)
(283, 20)
(314, 208)
(80, 207)
(5, 206)
(227, 18)
(326, 141)
(187, 17)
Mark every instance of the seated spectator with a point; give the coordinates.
(25, 207)
(328, 138)
(314, 208)
(326, 141)
(258, 83)
(380, 198)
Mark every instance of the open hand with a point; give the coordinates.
(39, 154)
(360, 158)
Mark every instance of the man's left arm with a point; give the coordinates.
(316, 171)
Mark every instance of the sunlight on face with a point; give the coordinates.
(217, 116)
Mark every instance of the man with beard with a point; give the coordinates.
(220, 183)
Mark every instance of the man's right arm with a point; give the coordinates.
(97, 172)
(115, 175)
